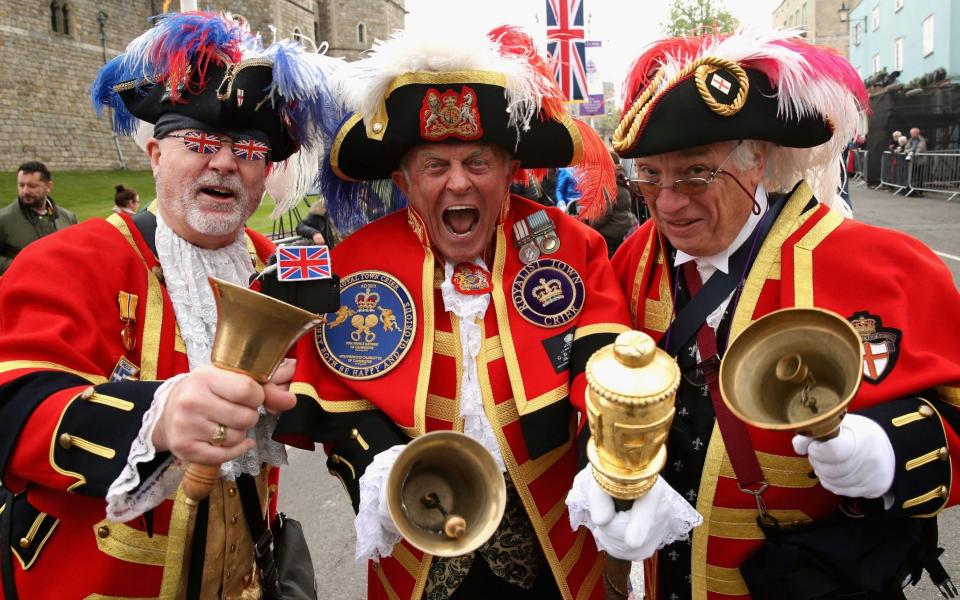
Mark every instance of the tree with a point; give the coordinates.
(698, 17)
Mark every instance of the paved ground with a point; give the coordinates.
(311, 495)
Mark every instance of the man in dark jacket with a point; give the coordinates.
(32, 215)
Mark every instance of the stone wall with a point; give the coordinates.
(340, 18)
(45, 77)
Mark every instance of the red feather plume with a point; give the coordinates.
(513, 40)
(596, 176)
(645, 67)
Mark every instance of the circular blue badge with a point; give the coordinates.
(372, 330)
(548, 293)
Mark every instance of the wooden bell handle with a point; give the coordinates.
(198, 480)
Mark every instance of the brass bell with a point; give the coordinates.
(795, 369)
(632, 388)
(446, 494)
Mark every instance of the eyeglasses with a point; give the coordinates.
(201, 142)
(690, 186)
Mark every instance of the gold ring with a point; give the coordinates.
(219, 436)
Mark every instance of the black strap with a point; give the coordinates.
(261, 534)
(720, 285)
(6, 555)
(146, 223)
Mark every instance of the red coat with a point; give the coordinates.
(68, 429)
(527, 394)
(814, 257)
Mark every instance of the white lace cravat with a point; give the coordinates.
(185, 269)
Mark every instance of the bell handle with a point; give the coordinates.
(198, 481)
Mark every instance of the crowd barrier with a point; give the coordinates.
(923, 172)
(857, 166)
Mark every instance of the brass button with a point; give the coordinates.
(24, 543)
(66, 441)
(233, 548)
(943, 454)
(87, 393)
(354, 433)
(232, 492)
(336, 458)
(103, 531)
(234, 519)
(942, 491)
(377, 127)
(272, 490)
(925, 410)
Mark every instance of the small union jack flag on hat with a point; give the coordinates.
(302, 263)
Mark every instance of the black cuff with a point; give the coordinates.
(315, 295)
(352, 439)
(96, 431)
(921, 484)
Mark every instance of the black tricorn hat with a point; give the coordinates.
(426, 107)
(770, 86)
(229, 98)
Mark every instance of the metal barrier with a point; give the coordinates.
(894, 171)
(934, 172)
(859, 166)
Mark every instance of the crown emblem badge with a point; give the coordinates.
(881, 345)
(548, 292)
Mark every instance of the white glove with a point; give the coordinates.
(858, 463)
(656, 519)
(376, 532)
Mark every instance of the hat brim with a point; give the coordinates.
(358, 154)
(680, 116)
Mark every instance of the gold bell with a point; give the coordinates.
(632, 387)
(795, 369)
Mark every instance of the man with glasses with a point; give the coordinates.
(735, 141)
(106, 387)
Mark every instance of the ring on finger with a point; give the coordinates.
(219, 436)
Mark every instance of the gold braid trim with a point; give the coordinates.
(625, 136)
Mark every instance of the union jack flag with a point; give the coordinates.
(250, 149)
(202, 142)
(565, 47)
(302, 263)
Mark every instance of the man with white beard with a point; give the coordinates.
(105, 384)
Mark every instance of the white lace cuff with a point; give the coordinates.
(373, 539)
(127, 496)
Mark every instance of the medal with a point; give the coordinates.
(544, 232)
(128, 315)
(471, 279)
(529, 253)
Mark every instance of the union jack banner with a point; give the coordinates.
(302, 263)
(565, 47)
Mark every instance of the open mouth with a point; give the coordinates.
(220, 193)
(461, 220)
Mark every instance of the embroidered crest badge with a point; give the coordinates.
(881, 345)
(449, 114)
(548, 293)
(471, 279)
(373, 329)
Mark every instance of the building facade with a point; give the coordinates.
(910, 36)
(53, 49)
(820, 19)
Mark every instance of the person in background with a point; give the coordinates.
(916, 143)
(126, 200)
(32, 215)
(567, 192)
(614, 224)
(318, 227)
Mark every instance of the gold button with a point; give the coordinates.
(232, 492)
(377, 127)
(66, 440)
(234, 519)
(103, 531)
(24, 543)
(272, 490)
(336, 458)
(87, 393)
(943, 454)
(233, 547)
(925, 410)
(354, 433)
(942, 491)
